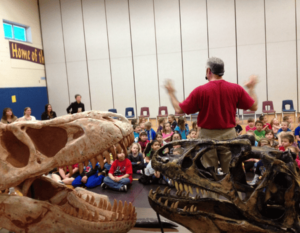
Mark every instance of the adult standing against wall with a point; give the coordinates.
(216, 102)
(8, 116)
(76, 106)
(49, 113)
(27, 115)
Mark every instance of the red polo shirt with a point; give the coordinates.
(217, 102)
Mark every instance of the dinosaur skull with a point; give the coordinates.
(31, 149)
(272, 206)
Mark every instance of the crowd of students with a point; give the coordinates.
(118, 174)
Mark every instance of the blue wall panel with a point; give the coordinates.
(34, 97)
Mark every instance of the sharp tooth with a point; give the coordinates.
(159, 200)
(184, 209)
(86, 163)
(90, 216)
(125, 209)
(80, 213)
(124, 148)
(150, 193)
(166, 202)
(100, 203)
(165, 190)
(169, 191)
(154, 197)
(95, 204)
(177, 193)
(172, 206)
(187, 209)
(176, 185)
(108, 206)
(107, 156)
(80, 166)
(176, 204)
(120, 207)
(100, 160)
(93, 162)
(158, 190)
(70, 168)
(197, 190)
(192, 208)
(130, 209)
(87, 198)
(104, 204)
(180, 192)
(119, 148)
(186, 188)
(92, 200)
(195, 209)
(115, 206)
(191, 190)
(180, 187)
(96, 216)
(187, 194)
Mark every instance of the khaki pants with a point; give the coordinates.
(211, 158)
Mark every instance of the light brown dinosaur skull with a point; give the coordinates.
(30, 149)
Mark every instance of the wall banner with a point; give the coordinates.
(27, 53)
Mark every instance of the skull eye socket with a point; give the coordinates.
(18, 152)
(48, 140)
(186, 163)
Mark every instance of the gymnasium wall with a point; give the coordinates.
(118, 53)
(23, 79)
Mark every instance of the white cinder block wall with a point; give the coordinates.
(117, 53)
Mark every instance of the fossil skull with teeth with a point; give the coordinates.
(30, 149)
(209, 202)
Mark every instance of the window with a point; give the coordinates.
(15, 31)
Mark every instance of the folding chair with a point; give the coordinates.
(145, 109)
(288, 102)
(129, 110)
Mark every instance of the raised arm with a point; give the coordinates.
(171, 91)
(251, 85)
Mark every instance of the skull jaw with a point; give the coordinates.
(205, 219)
(61, 210)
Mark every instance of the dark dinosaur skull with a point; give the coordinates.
(226, 203)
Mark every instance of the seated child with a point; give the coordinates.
(64, 177)
(251, 125)
(150, 132)
(142, 120)
(286, 141)
(176, 136)
(270, 136)
(136, 158)
(89, 177)
(119, 175)
(264, 142)
(182, 127)
(136, 132)
(297, 133)
(172, 121)
(238, 128)
(289, 120)
(143, 140)
(160, 124)
(160, 139)
(259, 132)
(167, 132)
(275, 126)
(193, 134)
(264, 120)
(151, 149)
(284, 128)
(133, 122)
(142, 125)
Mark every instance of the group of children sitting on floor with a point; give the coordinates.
(281, 136)
(118, 174)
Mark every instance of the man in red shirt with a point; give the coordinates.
(216, 103)
(119, 175)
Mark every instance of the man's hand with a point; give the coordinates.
(138, 162)
(84, 179)
(117, 179)
(169, 86)
(251, 82)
